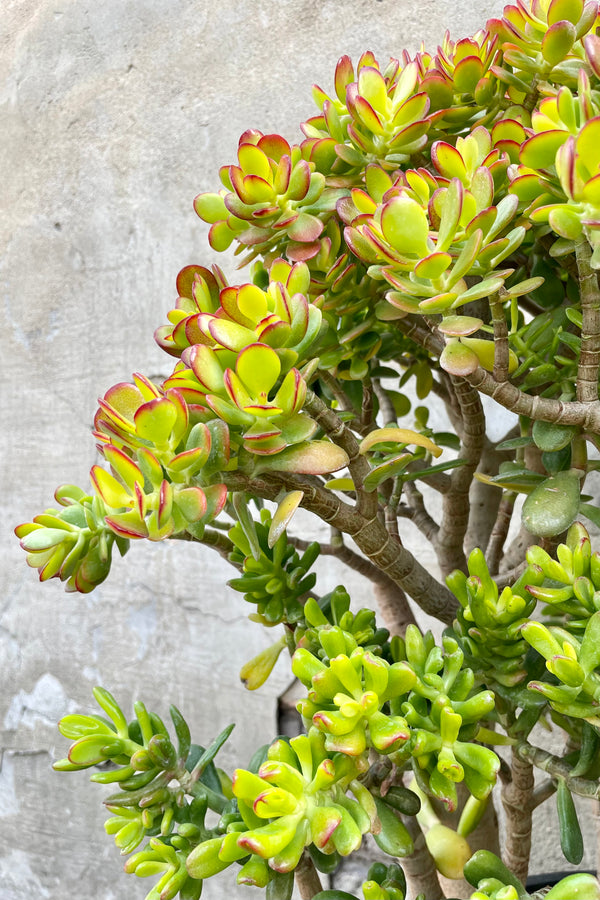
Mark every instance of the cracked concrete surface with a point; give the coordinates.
(113, 117)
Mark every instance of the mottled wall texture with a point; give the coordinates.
(113, 115)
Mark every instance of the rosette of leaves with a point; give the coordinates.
(333, 609)
(141, 503)
(542, 41)
(459, 79)
(161, 430)
(374, 115)
(274, 576)
(165, 790)
(274, 199)
(443, 713)
(560, 157)
(250, 390)
(578, 169)
(348, 690)
(244, 389)
(428, 234)
(571, 585)
(279, 316)
(198, 290)
(297, 798)
(488, 622)
(168, 860)
(73, 543)
(575, 689)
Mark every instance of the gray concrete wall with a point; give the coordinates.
(113, 115)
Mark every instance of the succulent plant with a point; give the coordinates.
(435, 234)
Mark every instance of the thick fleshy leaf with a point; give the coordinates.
(229, 334)
(258, 367)
(114, 494)
(206, 367)
(457, 359)
(438, 304)
(467, 74)
(456, 326)
(191, 502)
(128, 525)
(220, 236)
(367, 115)
(253, 160)
(154, 421)
(297, 428)
(557, 41)
(210, 208)
(553, 505)
(565, 222)
(588, 142)
(398, 436)
(344, 75)
(299, 182)
(484, 351)
(569, 10)
(388, 469)
(314, 458)
(371, 86)
(283, 515)
(550, 437)
(405, 226)
(591, 192)
(305, 228)
(123, 465)
(539, 151)
(274, 145)
(292, 393)
(448, 160)
(433, 266)
(591, 42)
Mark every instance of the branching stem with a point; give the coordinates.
(455, 510)
(589, 359)
(517, 799)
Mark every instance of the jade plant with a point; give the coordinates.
(435, 233)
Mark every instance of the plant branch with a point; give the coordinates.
(558, 768)
(341, 435)
(501, 355)
(455, 510)
(393, 606)
(543, 792)
(418, 514)
(307, 878)
(544, 409)
(349, 557)
(517, 799)
(419, 867)
(589, 358)
(367, 410)
(370, 535)
(500, 531)
(341, 397)
(386, 406)
(438, 481)
(211, 538)
(484, 499)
